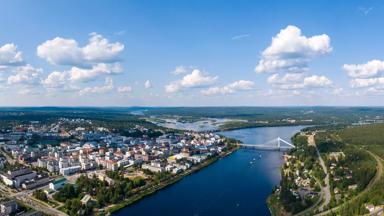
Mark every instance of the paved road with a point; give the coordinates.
(379, 174)
(324, 190)
(311, 142)
(26, 198)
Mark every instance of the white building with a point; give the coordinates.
(70, 170)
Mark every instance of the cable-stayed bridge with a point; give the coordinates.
(277, 144)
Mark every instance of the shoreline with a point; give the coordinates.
(147, 192)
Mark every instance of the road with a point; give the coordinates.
(378, 176)
(324, 190)
(26, 198)
(314, 206)
(325, 193)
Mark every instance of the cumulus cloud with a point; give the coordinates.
(317, 81)
(64, 51)
(56, 79)
(18, 72)
(368, 76)
(147, 84)
(292, 81)
(81, 74)
(124, 89)
(285, 79)
(180, 70)
(108, 87)
(25, 75)
(290, 51)
(240, 85)
(10, 56)
(66, 79)
(193, 80)
(368, 82)
(289, 81)
(369, 69)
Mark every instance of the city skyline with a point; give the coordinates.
(200, 53)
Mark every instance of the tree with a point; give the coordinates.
(67, 192)
(39, 194)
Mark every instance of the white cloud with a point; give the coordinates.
(80, 74)
(25, 75)
(124, 89)
(9, 56)
(66, 79)
(193, 80)
(337, 91)
(180, 70)
(28, 91)
(317, 81)
(362, 83)
(56, 79)
(285, 79)
(369, 69)
(368, 76)
(63, 51)
(290, 51)
(239, 37)
(99, 89)
(172, 87)
(230, 88)
(374, 91)
(147, 84)
(291, 81)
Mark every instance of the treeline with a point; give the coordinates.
(319, 115)
(326, 142)
(363, 135)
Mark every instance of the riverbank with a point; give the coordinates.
(297, 190)
(155, 188)
(354, 171)
(274, 206)
(248, 125)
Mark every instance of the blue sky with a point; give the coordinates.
(124, 53)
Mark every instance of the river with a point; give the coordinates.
(238, 184)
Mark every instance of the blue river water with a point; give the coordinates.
(238, 184)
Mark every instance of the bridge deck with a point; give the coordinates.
(275, 144)
(264, 147)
